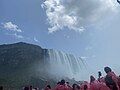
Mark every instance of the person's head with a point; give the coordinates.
(75, 87)
(67, 83)
(1, 87)
(85, 87)
(36, 88)
(48, 86)
(107, 69)
(26, 88)
(31, 87)
(99, 74)
(62, 82)
(92, 79)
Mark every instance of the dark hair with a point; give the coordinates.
(67, 82)
(78, 87)
(1, 87)
(49, 86)
(92, 79)
(31, 87)
(26, 88)
(62, 82)
(58, 83)
(107, 69)
(36, 88)
(99, 74)
(85, 87)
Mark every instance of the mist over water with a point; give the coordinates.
(61, 65)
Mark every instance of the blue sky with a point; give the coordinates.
(90, 31)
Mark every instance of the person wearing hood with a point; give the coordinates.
(111, 79)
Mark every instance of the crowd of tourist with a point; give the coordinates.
(109, 82)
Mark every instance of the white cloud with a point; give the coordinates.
(12, 27)
(83, 57)
(35, 39)
(76, 15)
(15, 35)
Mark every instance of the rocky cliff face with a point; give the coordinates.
(22, 64)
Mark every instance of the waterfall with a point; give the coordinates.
(65, 65)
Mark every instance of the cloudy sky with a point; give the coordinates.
(86, 28)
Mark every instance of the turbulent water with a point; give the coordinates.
(65, 65)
